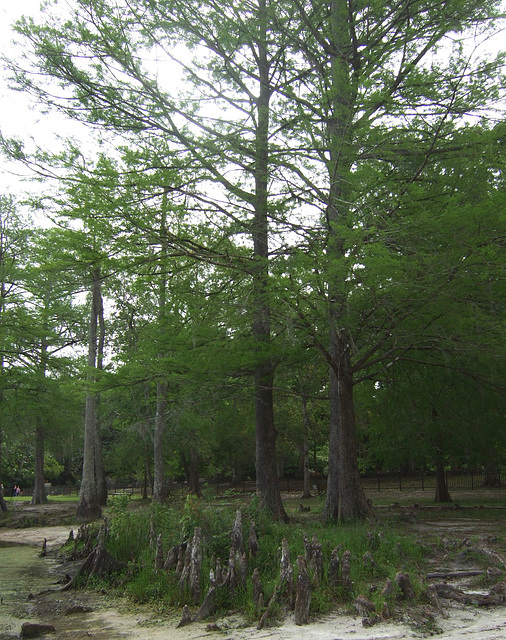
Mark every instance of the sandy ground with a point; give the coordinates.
(112, 620)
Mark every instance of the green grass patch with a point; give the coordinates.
(131, 528)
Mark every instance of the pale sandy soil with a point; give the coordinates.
(114, 619)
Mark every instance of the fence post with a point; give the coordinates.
(379, 482)
(400, 480)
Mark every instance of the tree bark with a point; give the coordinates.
(345, 495)
(88, 507)
(266, 459)
(159, 463)
(345, 498)
(99, 463)
(442, 492)
(159, 484)
(39, 491)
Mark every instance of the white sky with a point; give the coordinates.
(19, 116)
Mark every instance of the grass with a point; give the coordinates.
(392, 542)
(129, 535)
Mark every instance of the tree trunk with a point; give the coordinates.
(266, 458)
(194, 475)
(266, 462)
(159, 485)
(159, 465)
(39, 492)
(3, 504)
(442, 492)
(306, 491)
(99, 463)
(345, 495)
(88, 507)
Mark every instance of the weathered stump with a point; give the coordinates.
(185, 573)
(208, 605)
(258, 594)
(172, 557)
(99, 562)
(303, 593)
(403, 581)
(346, 571)
(186, 618)
(43, 551)
(196, 566)
(237, 540)
(286, 573)
(333, 575)
(364, 606)
(159, 562)
(252, 540)
(388, 589)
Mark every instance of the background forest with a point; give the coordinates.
(278, 248)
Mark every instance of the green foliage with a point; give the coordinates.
(128, 540)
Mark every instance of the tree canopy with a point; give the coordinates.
(284, 187)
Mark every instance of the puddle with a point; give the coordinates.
(22, 572)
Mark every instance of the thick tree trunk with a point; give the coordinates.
(159, 484)
(99, 463)
(345, 495)
(99, 466)
(266, 462)
(266, 459)
(88, 507)
(39, 492)
(3, 504)
(159, 493)
(442, 492)
(331, 509)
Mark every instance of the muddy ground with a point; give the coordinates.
(461, 539)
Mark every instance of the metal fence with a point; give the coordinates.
(422, 481)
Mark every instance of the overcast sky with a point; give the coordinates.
(19, 115)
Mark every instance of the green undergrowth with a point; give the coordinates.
(130, 531)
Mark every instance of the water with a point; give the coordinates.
(22, 572)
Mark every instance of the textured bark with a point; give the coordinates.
(159, 484)
(442, 493)
(345, 499)
(88, 507)
(99, 464)
(345, 496)
(303, 593)
(266, 459)
(403, 581)
(39, 491)
(159, 463)
(252, 540)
